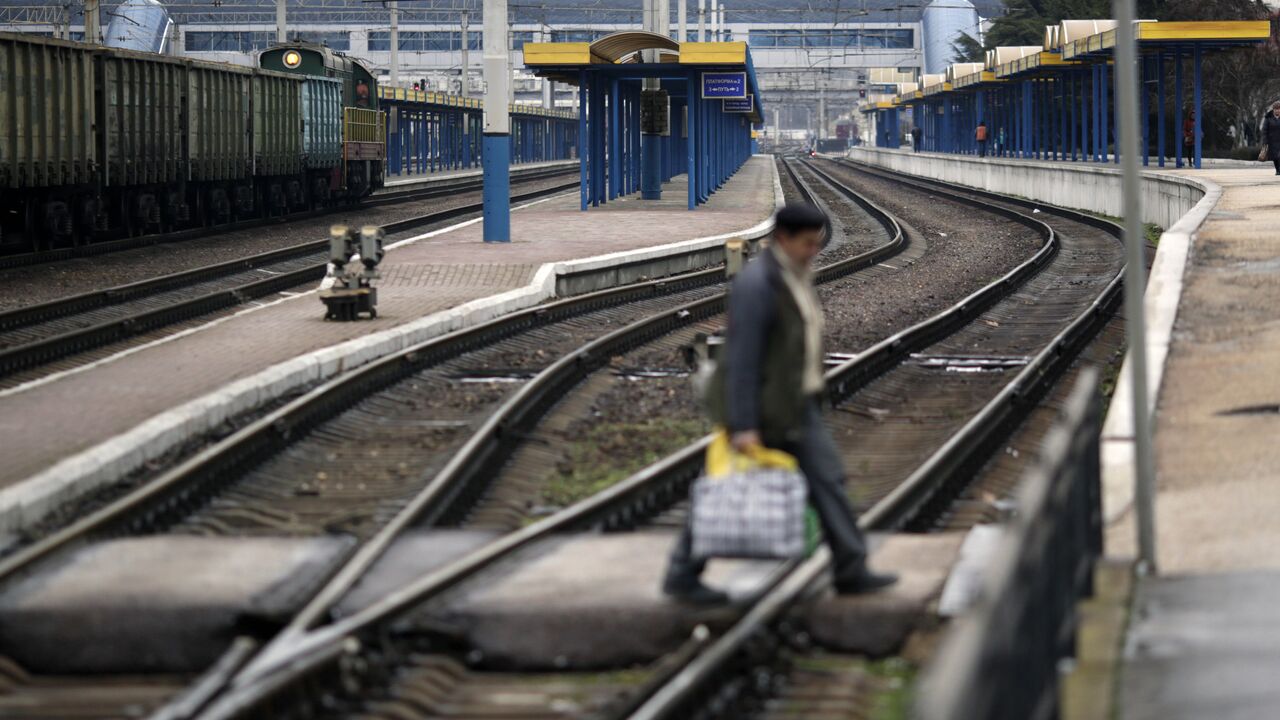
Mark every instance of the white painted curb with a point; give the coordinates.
(1160, 303)
(29, 501)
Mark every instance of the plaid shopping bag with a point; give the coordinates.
(748, 506)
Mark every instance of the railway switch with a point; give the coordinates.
(355, 255)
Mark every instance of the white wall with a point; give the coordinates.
(1166, 197)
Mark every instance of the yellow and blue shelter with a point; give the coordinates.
(1056, 101)
(712, 100)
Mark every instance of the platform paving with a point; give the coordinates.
(1205, 634)
(45, 422)
(1218, 419)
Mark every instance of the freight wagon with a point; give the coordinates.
(98, 142)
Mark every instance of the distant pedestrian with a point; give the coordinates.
(980, 134)
(1189, 134)
(1000, 141)
(765, 392)
(1271, 135)
(916, 135)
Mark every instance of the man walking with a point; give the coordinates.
(916, 135)
(765, 393)
(980, 134)
(1271, 135)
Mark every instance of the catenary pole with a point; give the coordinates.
(465, 90)
(702, 20)
(1135, 319)
(92, 31)
(282, 26)
(497, 124)
(395, 41)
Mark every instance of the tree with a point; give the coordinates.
(966, 49)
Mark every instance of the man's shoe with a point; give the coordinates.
(864, 582)
(695, 594)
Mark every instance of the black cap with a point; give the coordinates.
(794, 217)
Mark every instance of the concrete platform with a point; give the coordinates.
(169, 604)
(1205, 634)
(1217, 458)
(877, 624)
(1204, 646)
(588, 602)
(72, 431)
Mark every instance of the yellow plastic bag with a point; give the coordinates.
(723, 460)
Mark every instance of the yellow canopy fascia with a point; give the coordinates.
(713, 53)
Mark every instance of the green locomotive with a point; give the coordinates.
(98, 143)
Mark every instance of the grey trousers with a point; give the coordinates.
(824, 472)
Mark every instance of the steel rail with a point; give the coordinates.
(45, 350)
(188, 486)
(109, 246)
(917, 498)
(621, 506)
(452, 489)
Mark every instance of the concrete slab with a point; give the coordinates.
(589, 602)
(162, 603)
(411, 556)
(1204, 646)
(878, 623)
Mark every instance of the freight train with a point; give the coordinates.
(99, 143)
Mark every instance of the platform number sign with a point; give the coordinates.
(722, 85)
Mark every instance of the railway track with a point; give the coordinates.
(109, 246)
(421, 429)
(38, 335)
(376, 663)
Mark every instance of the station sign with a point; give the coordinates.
(739, 105)
(721, 85)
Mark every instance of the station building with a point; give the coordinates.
(810, 64)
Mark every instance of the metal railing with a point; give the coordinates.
(363, 125)
(1000, 661)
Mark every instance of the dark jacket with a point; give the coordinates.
(1271, 134)
(759, 380)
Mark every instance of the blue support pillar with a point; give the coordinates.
(1027, 113)
(1160, 131)
(1037, 119)
(691, 129)
(1062, 113)
(1105, 108)
(1195, 102)
(1177, 108)
(584, 155)
(616, 148)
(497, 188)
(466, 140)
(947, 137)
(1143, 102)
(1085, 154)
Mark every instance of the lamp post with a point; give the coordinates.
(1135, 280)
